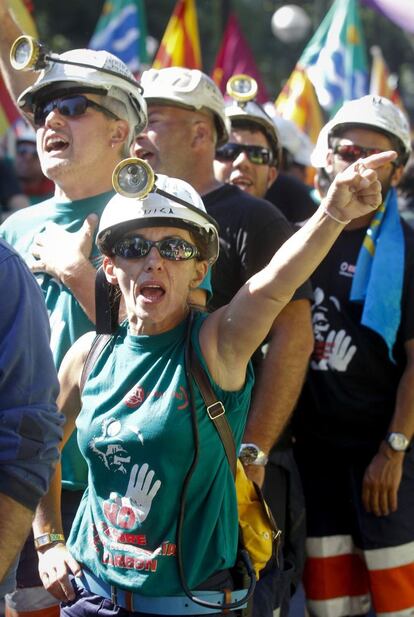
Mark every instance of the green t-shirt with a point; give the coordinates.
(67, 319)
(135, 432)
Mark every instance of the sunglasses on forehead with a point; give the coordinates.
(173, 249)
(258, 155)
(351, 152)
(70, 106)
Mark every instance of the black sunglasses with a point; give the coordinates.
(69, 106)
(174, 249)
(352, 152)
(256, 154)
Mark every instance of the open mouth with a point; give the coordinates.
(56, 144)
(143, 154)
(241, 182)
(151, 292)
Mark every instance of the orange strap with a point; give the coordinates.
(227, 600)
(50, 611)
(128, 600)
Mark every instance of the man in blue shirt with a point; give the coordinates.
(30, 427)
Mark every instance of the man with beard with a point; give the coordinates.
(250, 160)
(355, 419)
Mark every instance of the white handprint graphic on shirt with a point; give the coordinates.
(339, 352)
(342, 350)
(333, 349)
(132, 509)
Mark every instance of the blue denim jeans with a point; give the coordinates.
(9, 582)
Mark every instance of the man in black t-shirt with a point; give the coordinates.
(355, 418)
(250, 161)
(186, 123)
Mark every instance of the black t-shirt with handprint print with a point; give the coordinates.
(350, 392)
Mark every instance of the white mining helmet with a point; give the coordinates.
(80, 70)
(244, 108)
(187, 88)
(292, 138)
(145, 200)
(372, 112)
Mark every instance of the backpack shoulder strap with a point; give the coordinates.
(215, 410)
(98, 344)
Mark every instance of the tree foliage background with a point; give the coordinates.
(70, 24)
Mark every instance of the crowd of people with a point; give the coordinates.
(295, 300)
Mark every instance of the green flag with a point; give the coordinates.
(122, 30)
(335, 59)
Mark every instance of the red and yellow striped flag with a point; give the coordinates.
(382, 82)
(8, 110)
(297, 102)
(180, 45)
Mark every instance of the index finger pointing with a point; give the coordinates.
(377, 160)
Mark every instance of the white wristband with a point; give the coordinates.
(331, 216)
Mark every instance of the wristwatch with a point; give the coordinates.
(250, 454)
(398, 442)
(48, 538)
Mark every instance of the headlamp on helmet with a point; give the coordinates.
(79, 70)
(245, 110)
(146, 200)
(28, 54)
(133, 177)
(242, 88)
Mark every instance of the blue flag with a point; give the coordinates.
(379, 274)
(121, 30)
(335, 58)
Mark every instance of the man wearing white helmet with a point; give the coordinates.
(251, 157)
(355, 420)
(254, 159)
(186, 124)
(250, 161)
(86, 113)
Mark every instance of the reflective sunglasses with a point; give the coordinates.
(256, 154)
(173, 249)
(69, 106)
(26, 149)
(351, 152)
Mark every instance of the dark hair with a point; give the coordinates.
(250, 125)
(202, 242)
